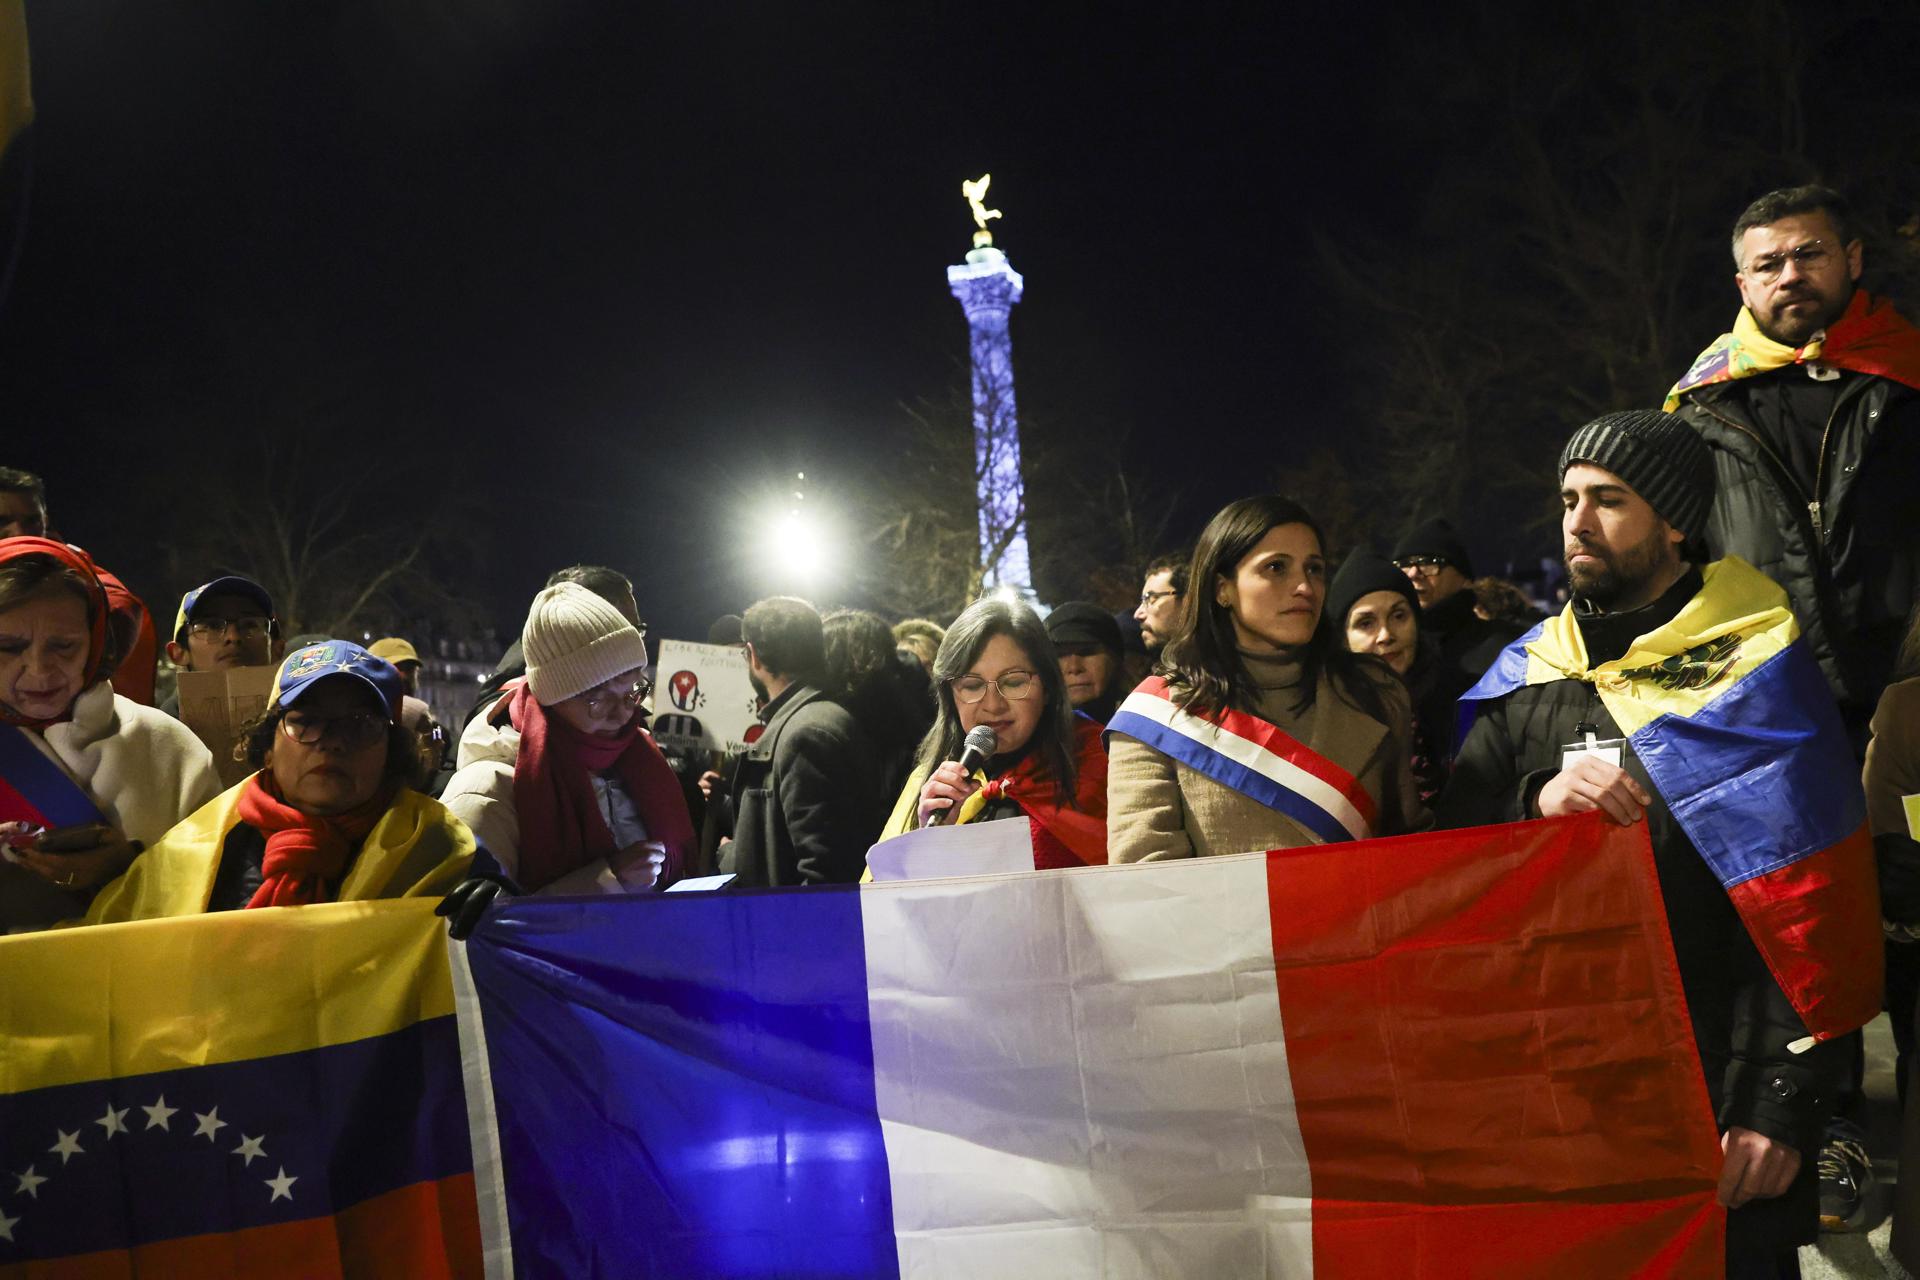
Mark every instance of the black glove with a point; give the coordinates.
(465, 906)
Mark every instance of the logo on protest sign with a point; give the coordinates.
(708, 703)
(676, 734)
(684, 691)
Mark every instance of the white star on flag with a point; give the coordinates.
(114, 1121)
(282, 1186)
(29, 1183)
(6, 1227)
(208, 1123)
(67, 1146)
(250, 1147)
(159, 1113)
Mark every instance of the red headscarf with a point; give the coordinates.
(1062, 837)
(307, 855)
(14, 549)
(561, 828)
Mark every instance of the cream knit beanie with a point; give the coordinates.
(573, 641)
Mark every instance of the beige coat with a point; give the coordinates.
(1158, 808)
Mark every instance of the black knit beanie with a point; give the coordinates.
(1435, 538)
(1362, 573)
(1659, 457)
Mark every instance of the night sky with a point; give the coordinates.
(610, 270)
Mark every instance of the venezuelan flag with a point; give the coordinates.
(1730, 716)
(250, 1093)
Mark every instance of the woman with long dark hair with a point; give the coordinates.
(996, 667)
(1260, 729)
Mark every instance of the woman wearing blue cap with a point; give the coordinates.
(331, 816)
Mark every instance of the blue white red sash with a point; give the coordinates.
(1255, 758)
(33, 788)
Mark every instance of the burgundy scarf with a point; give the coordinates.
(307, 855)
(561, 827)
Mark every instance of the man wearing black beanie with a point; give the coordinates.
(1679, 693)
(1435, 560)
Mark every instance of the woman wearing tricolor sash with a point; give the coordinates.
(86, 775)
(997, 668)
(1259, 729)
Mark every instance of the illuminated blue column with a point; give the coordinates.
(987, 288)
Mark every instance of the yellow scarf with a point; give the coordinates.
(1738, 620)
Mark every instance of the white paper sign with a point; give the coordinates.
(976, 849)
(702, 699)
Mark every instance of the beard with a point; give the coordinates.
(1619, 573)
(1793, 329)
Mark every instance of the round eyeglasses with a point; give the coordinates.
(1013, 686)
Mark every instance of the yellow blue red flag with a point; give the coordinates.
(1735, 725)
(271, 1092)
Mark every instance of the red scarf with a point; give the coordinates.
(1062, 837)
(1869, 337)
(13, 549)
(561, 827)
(307, 855)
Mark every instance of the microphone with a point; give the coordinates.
(981, 743)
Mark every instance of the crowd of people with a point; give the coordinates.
(1258, 698)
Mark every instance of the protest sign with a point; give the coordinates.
(702, 700)
(217, 704)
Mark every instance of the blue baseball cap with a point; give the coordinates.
(308, 666)
(245, 588)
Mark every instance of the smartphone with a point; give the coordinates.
(75, 839)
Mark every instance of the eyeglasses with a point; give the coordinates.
(1809, 257)
(1424, 565)
(251, 627)
(353, 731)
(1013, 686)
(1148, 597)
(604, 702)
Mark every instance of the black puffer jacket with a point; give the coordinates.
(1742, 1021)
(1842, 542)
(1465, 644)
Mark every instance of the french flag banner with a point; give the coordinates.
(1456, 1054)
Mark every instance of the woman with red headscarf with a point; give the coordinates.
(86, 776)
(560, 781)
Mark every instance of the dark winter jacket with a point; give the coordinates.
(1742, 1021)
(805, 796)
(1815, 484)
(1465, 644)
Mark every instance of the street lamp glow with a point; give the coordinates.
(801, 544)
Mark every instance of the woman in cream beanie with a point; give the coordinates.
(560, 781)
